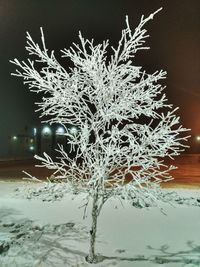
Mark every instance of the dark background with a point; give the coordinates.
(174, 41)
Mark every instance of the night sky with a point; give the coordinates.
(174, 42)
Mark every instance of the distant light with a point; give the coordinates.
(46, 130)
(73, 130)
(34, 131)
(60, 130)
(198, 138)
(31, 148)
(31, 140)
(14, 137)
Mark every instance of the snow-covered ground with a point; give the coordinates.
(41, 234)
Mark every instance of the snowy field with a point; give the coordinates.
(41, 234)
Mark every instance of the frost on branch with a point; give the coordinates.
(126, 127)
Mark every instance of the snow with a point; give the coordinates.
(57, 235)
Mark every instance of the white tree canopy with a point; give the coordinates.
(126, 127)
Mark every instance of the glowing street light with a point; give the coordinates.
(198, 138)
(46, 130)
(60, 131)
(34, 131)
(73, 130)
(31, 148)
(14, 137)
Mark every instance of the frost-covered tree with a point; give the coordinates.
(125, 125)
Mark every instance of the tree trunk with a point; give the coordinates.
(92, 258)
